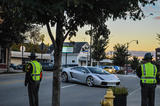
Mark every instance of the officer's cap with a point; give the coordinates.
(147, 56)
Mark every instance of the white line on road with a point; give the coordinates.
(134, 91)
(68, 86)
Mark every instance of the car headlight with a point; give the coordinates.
(110, 70)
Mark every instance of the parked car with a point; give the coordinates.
(14, 66)
(19, 66)
(90, 76)
(47, 66)
(110, 69)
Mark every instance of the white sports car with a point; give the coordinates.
(90, 76)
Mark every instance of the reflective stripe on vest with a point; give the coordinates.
(36, 70)
(149, 72)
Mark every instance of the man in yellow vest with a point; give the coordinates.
(32, 79)
(147, 73)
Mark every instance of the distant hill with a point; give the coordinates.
(139, 54)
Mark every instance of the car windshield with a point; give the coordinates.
(97, 70)
(107, 67)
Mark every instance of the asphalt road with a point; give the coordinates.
(13, 92)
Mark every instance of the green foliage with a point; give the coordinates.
(120, 54)
(34, 35)
(100, 40)
(13, 26)
(119, 90)
(30, 47)
(135, 63)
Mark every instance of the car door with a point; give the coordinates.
(82, 74)
(74, 73)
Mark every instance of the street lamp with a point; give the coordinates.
(127, 51)
(131, 42)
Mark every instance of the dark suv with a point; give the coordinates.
(46, 66)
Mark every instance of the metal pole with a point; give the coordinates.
(87, 60)
(22, 54)
(66, 59)
(42, 51)
(90, 47)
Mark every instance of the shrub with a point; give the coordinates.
(119, 90)
(120, 72)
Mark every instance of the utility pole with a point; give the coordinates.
(90, 47)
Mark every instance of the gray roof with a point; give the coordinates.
(76, 46)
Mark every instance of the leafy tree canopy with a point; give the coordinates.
(120, 54)
(100, 40)
(134, 62)
(13, 26)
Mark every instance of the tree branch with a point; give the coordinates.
(66, 35)
(50, 34)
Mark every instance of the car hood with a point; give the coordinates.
(108, 77)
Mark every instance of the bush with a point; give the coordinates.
(119, 90)
(120, 94)
(120, 72)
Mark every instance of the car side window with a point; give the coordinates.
(76, 68)
(84, 69)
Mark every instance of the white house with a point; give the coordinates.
(77, 57)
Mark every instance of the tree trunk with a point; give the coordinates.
(56, 79)
(57, 64)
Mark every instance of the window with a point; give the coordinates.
(73, 61)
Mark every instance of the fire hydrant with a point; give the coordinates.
(108, 98)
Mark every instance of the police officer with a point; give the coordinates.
(147, 74)
(32, 79)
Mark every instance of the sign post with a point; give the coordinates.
(67, 49)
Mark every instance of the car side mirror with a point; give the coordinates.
(83, 71)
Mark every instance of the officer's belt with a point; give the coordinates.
(35, 74)
(148, 78)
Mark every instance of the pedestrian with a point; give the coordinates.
(32, 79)
(147, 73)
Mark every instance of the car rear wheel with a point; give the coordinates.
(64, 77)
(90, 81)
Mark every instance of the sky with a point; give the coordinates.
(124, 31)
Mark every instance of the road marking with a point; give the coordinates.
(134, 91)
(69, 86)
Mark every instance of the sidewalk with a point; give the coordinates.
(134, 98)
(11, 71)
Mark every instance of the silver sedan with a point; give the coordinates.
(90, 76)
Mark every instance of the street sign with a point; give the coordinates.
(22, 48)
(67, 49)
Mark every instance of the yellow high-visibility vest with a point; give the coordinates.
(149, 72)
(36, 71)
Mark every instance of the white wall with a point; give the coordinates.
(71, 58)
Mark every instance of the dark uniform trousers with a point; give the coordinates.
(33, 94)
(148, 95)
